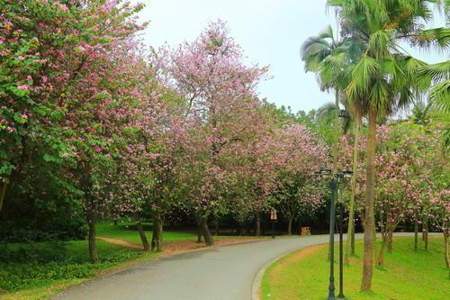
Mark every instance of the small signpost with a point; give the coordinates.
(273, 214)
(273, 219)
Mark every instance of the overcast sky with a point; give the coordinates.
(269, 31)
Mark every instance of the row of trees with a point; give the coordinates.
(94, 125)
(373, 78)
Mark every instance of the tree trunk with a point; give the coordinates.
(350, 244)
(258, 224)
(157, 233)
(209, 241)
(336, 145)
(446, 232)
(216, 226)
(369, 239)
(290, 221)
(199, 235)
(390, 240)
(199, 231)
(4, 186)
(92, 239)
(416, 235)
(143, 237)
(380, 258)
(446, 250)
(425, 232)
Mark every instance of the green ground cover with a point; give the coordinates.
(407, 275)
(41, 269)
(128, 233)
(36, 270)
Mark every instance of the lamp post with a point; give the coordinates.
(341, 251)
(336, 179)
(333, 188)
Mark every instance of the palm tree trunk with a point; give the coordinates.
(336, 145)
(369, 219)
(350, 244)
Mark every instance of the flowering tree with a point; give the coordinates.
(396, 193)
(219, 92)
(408, 180)
(300, 155)
(441, 209)
(257, 166)
(96, 91)
(31, 38)
(151, 165)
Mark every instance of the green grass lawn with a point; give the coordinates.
(38, 270)
(127, 233)
(407, 275)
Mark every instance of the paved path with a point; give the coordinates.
(215, 274)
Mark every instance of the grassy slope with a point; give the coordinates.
(407, 275)
(38, 270)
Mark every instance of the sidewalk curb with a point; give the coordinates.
(256, 286)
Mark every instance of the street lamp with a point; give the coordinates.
(273, 219)
(336, 179)
(342, 175)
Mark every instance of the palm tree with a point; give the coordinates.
(439, 95)
(318, 53)
(382, 80)
(440, 92)
(332, 61)
(327, 56)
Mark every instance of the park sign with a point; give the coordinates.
(273, 215)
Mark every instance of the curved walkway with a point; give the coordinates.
(215, 274)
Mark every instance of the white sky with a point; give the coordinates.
(269, 31)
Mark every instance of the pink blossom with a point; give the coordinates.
(24, 87)
(98, 149)
(109, 5)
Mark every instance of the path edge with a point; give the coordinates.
(256, 285)
(127, 265)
